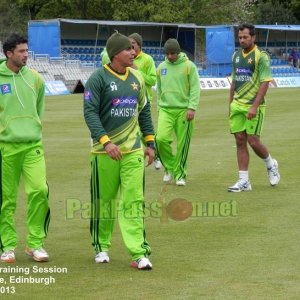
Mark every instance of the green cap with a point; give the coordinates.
(172, 46)
(116, 43)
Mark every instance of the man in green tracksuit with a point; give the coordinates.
(178, 93)
(145, 65)
(21, 150)
(116, 111)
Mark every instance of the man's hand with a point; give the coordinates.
(190, 114)
(151, 154)
(113, 151)
(251, 112)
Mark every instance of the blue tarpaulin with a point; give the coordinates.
(44, 38)
(219, 49)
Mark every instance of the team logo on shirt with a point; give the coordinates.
(5, 88)
(237, 60)
(113, 86)
(163, 72)
(87, 96)
(135, 86)
(249, 60)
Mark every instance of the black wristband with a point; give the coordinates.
(151, 145)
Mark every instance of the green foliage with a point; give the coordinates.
(276, 12)
(14, 14)
(211, 12)
(12, 19)
(295, 6)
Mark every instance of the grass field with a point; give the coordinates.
(249, 251)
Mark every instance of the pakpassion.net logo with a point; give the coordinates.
(177, 209)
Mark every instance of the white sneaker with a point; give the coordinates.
(102, 257)
(142, 264)
(180, 182)
(167, 177)
(38, 254)
(8, 256)
(273, 173)
(240, 186)
(157, 164)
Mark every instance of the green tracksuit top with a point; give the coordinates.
(21, 104)
(104, 57)
(116, 109)
(146, 68)
(178, 84)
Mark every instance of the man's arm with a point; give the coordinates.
(231, 93)
(194, 83)
(194, 92)
(150, 74)
(40, 102)
(258, 100)
(91, 110)
(265, 77)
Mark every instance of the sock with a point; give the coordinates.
(243, 175)
(269, 162)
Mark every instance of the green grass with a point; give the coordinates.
(253, 255)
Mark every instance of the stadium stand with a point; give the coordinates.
(80, 58)
(87, 51)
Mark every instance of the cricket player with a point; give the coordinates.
(178, 92)
(117, 112)
(251, 74)
(21, 151)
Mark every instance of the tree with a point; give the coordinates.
(295, 7)
(33, 7)
(276, 12)
(12, 19)
(14, 14)
(211, 12)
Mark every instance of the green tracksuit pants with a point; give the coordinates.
(109, 177)
(27, 160)
(170, 121)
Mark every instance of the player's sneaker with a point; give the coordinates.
(180, 182)
(142, 264)
(167, 177)
(240, 186)
(38, 254)
(8, 256)
(157, 164)
(102, 257)
(273, 173)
